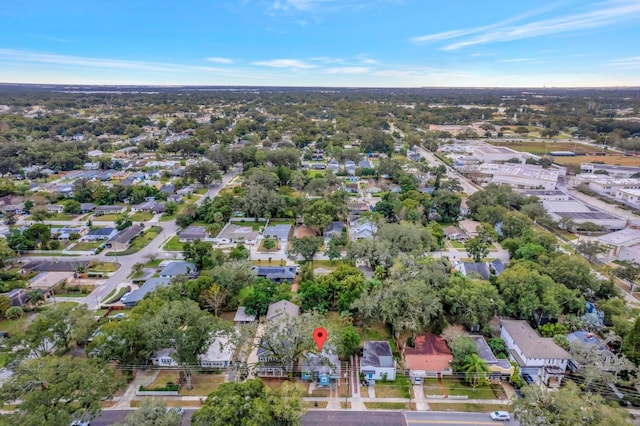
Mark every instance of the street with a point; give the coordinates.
(110, 417)
(355, 418)
(451, 418)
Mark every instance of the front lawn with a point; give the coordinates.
(141, 217)
(139, 242)
(203, 383)
(396, 389)
(14, 327)
(104, 267)
(87, 245)
(115, 297)
(106, 218)
(174, 244)
(387, 405)
(456, 244)
(467, 407)
(455, 387)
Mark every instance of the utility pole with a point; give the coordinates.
(346, 391)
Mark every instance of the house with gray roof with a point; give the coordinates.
(100, 234)
(499, 368)
(122, 239)
(474, 268)
(278, 232)
(242, 317)
(192, 233)
(150, 285)
(282, 307)
(539, 357)
(323, 367)
(176, 268)
(276, 274)
(377, 361)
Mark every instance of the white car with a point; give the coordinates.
(178, 410)
(501, 416)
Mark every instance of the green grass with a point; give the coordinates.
(201, 191)
(167, 218)
(173, 244)
(4, 357)
(106, 218)
(104, 267)
(153, 263)
(14, 327)
(387, 405)
(139, 242)
(456, 244)
(141, 217)
(115, 297)
(396, 389)
(87, 245)
(468, 407)
(61, 216)
(456, 388)
(281, 222)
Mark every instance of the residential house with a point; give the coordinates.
(364, 230)
(122, 239)
(474, 268)
(323, 367)
(334, 229)
(469, 227)
(65, 234)
(242, 317)
(499, 368)
(377, 361)
(496, 267)
(283, 307)
(588, 342)
(454, 233)
(176, 198)
(268, 363)
(352, 187)
(276, 274)
(102, 210)
(164, 358)
(95, 153)
(55, 208)
(234, 234)
(278, 232)
(149, 285)
(192, 233)
(350, 167)
(429, 357)
(17, 296)
(145, 206)
(219, 354)
(87, 208)
(48, 281)
(539, 357)
(365, 164)
(334, 166)
(176, 268)
(98, 234)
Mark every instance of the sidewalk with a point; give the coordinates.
(143, 377)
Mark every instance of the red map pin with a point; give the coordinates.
(319, 335)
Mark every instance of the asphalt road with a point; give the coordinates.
(415, 418)
(312, 418)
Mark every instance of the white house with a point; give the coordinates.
(363, 230)
(539, 357)
(218, 355)
(377, 361)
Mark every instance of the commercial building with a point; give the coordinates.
(609, 170)
(519, 176)
(581, 213)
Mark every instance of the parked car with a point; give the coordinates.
(79, 423)
(501, 416)
(527, 378)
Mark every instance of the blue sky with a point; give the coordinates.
(380, 43)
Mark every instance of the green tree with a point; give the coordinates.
(6, 252)
(51, 391)
(567, 405)
(476, 371)
(13, 313)
(307, 247)
(72, 207)
(447, 204)
(514, 224)
(239, 252)
(477, 249)
(40, 215)
(152, 412)
(471, 302)
(203, 172)
(332, 251)
(251, 403)
(348, 341)
(269, 243)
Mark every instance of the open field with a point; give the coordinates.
(540, 148)
(616, 160)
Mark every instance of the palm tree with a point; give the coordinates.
(34, 297)
(475, 369)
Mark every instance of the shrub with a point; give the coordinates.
(268, 243)
(14, 313)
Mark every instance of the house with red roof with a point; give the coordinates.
(429, 357)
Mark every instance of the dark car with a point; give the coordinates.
(527, 378)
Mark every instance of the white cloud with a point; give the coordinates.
(285, 6)
(285, 63)
(328, 60)
(219, 60)
(503, 31)
(631, 62)
(517, 60)
(348, 70)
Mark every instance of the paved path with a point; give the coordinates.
(143, 378)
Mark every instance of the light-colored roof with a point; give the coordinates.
(221, 349)
(624, 237)
(283, 306)
(530, 343)
(242, 316)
